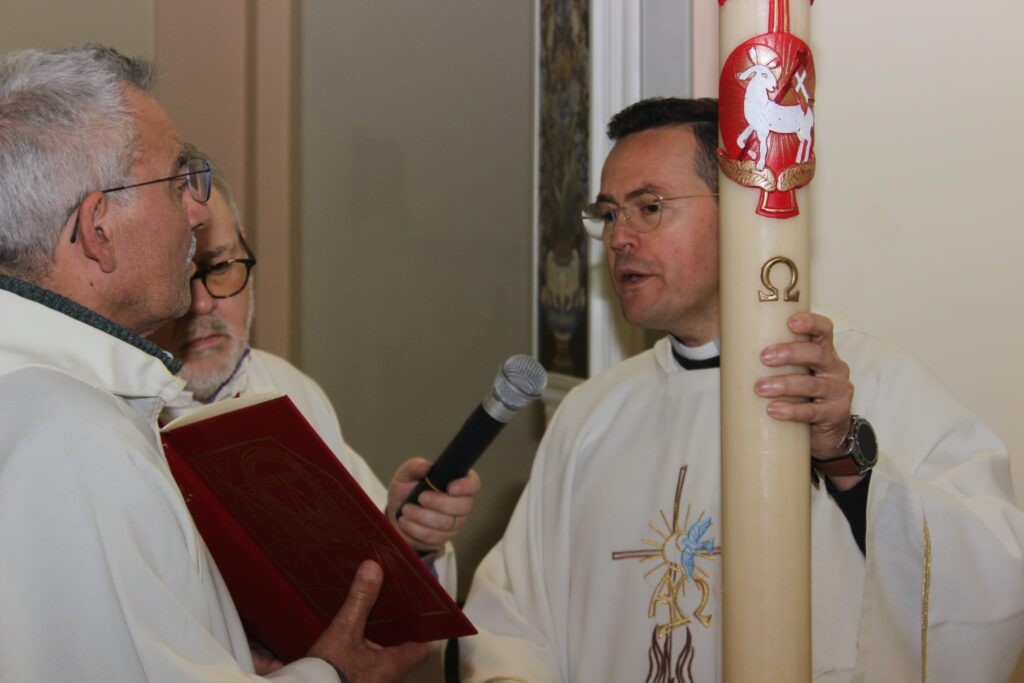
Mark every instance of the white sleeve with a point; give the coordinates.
(309, 669)
(519, 596)
(944, 583)
(103, 575)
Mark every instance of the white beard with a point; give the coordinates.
(205, 384)
(191, 251)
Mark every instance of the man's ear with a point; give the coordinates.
(95, 230)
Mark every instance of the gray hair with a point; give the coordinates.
(65, 130)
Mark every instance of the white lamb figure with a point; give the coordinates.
(765, 116)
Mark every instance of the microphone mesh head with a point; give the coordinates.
(520, 381)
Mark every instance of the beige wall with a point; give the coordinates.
(918, 232)
(416, 227)
(228, 83)
(204, 81)
(124, 24)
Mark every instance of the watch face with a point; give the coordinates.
(866, 445)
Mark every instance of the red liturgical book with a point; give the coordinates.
(289, 526)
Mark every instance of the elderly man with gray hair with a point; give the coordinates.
(103, 575)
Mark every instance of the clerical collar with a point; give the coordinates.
(696, 357)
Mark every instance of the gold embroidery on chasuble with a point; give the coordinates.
(676, 558)
(926, 590)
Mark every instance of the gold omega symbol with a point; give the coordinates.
(790, 293)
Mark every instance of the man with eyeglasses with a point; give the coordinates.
(103, 575)
(212, 341)
(609, 569)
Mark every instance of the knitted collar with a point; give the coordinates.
(82, 314)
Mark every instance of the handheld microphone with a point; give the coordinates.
(520, 381)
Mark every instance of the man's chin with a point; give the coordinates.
(183, 302)
(154, 329)
(638, 312)
(203, 379)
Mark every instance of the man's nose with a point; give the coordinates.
(621, 233)
(202, 302)
(198, 212)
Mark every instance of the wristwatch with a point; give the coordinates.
(859, 452)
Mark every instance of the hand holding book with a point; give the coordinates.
(344, 645)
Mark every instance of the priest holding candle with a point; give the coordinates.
(611, 568)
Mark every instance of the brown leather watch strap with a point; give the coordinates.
(843, 466)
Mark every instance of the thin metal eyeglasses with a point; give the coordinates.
(226, 279)
(199, 179)
(642, 212)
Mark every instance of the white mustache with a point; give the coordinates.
(200, 327)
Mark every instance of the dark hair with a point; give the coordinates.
(699, 115)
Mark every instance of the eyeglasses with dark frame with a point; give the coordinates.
(199, 178)
(642, 212)
(226, 279)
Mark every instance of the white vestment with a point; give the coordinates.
(610, 568)
(263, 372)
(103, 575)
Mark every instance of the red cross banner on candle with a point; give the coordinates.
(766, 114)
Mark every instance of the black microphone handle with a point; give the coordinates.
(476, 434)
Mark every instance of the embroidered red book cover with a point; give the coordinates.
(288, 526)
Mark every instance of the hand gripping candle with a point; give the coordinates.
(766, 123)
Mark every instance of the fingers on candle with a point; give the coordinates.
(822, 397)
(818, 355)
(827, 414)
(787, 411)
(818, 330)
(798, 387)
(805, 353)
(815, 399)
(813, 325)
